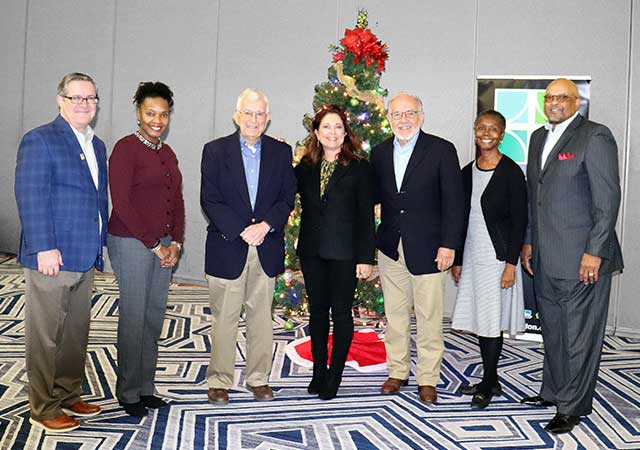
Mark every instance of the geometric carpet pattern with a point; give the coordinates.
(358, 419)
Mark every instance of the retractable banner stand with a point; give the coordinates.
(521, 101)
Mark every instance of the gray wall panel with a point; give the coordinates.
(431, 48)
(167, 41)
(73, 36)
(283, 54)
(628, 318)
(13, 18)
(561, 38)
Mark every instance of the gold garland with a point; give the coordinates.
(350, 86)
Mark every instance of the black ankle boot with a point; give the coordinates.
(330, 388)
(318, 380)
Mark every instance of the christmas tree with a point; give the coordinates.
(354, 85)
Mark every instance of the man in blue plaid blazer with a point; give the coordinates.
(61, 192)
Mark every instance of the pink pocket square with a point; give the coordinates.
(565, 156)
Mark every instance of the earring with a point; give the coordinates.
(138, 122)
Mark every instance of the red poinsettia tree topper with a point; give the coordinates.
(363, 45)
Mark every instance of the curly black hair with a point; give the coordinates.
(151, 89)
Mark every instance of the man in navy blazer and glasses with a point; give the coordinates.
(247, 192)
(61, 192)
(419, 188)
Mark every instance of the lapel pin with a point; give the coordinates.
(81, 156)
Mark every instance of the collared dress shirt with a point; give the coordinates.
(251, 160)
(401, 157)
(86, 143)
(553, 136)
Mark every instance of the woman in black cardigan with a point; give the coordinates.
(336, 242)
(490, 298)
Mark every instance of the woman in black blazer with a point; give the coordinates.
(490, 298)
(336, 241)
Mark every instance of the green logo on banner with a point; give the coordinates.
(524, 111)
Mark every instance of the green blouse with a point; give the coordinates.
(326, 170)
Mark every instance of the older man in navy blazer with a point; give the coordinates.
(247, 192)
(61, 191)
(419, 187)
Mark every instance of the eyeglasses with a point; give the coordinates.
(408, 114)
(259, 115)
(78, 99)
(557, 98)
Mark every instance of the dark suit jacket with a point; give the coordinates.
(504, 208)
(224, 197)
(574, 200)
(58, 203)
(338, 225)
(428, 211)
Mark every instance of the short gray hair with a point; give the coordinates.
(253, 94)
(415, 97)
(73, 76)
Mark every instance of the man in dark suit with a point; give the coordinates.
(571, 248)
(247, 192)
(419, 187)
(61, 192)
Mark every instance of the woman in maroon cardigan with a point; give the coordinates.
(146, 230)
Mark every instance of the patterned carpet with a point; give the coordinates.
(358, 419)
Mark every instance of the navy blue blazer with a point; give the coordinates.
(428, 210)
(224, 197)
(58, 202)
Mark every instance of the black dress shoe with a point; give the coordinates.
(471, 389)
(480, 400)
(153, 402)
(134, 409)
(562, 423)
(538, 401)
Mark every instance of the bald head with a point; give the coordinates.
(561, 100)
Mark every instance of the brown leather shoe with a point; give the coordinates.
(393, 385)
(60, 424)
(217, 395)
(427, 394)
(262, 393)
(81, 409)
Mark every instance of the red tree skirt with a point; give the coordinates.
(366, 354)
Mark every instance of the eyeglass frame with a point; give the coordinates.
(91, 100)
(409, 114)
(561, 98)
(247, 114)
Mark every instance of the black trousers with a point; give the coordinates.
(330, 286)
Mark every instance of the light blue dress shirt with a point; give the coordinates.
(251, 161)
(401, 156)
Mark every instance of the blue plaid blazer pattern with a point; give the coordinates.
(58, 202)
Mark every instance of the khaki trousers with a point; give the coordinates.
(425, 294)
(253, 289)
(57, 315)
